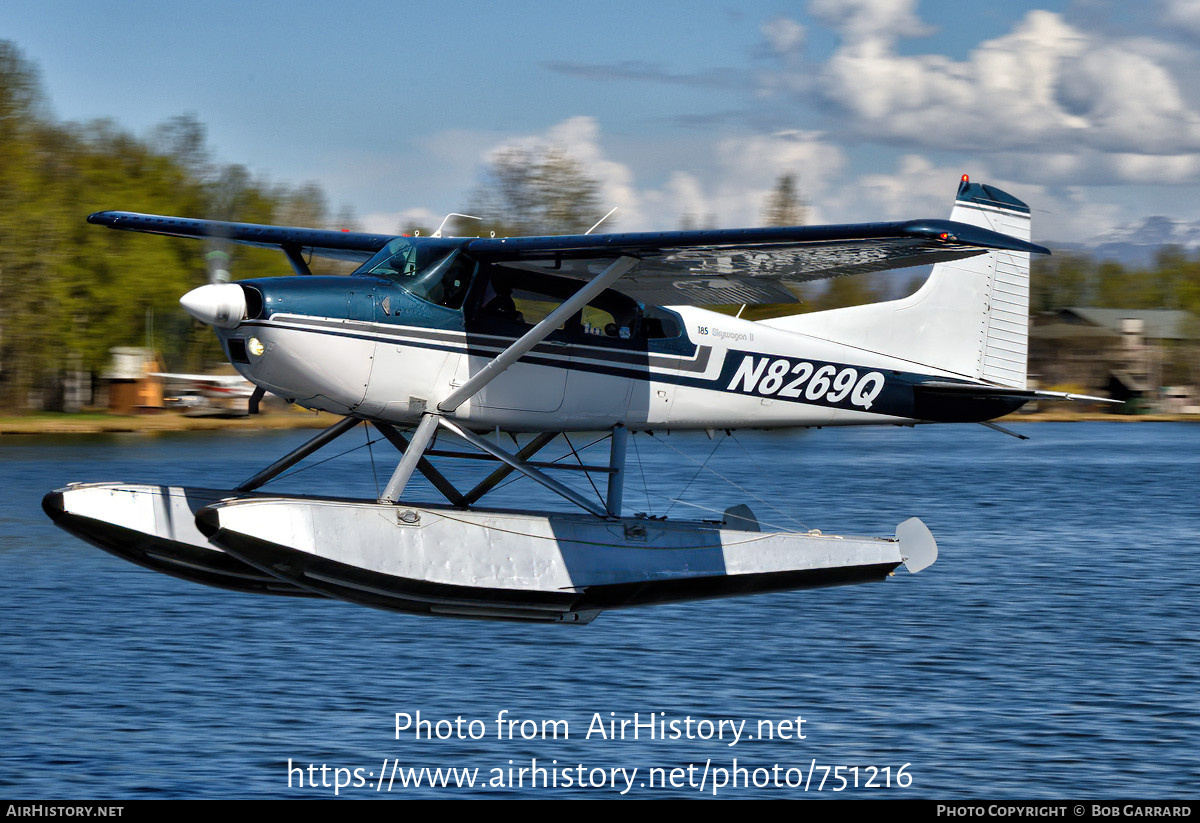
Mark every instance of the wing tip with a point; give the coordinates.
(949, 231)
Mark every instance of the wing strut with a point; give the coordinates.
(537, 334)
(299, 265)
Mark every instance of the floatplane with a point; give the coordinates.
(535, 337)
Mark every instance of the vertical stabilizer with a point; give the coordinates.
(970, 318)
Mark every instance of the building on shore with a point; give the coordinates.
(132, 384)
(1149, 358)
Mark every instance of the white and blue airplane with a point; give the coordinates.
(538, 336)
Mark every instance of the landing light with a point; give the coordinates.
(255, 346)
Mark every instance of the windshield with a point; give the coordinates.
(435, 272)
(403, 257)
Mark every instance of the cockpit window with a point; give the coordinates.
(432, 272)
(402, 257)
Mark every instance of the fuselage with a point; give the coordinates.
(377, 348)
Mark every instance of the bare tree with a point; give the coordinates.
(530, 191)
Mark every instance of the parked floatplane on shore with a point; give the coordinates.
(540, 336)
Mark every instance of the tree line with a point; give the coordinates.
(1071, 278)
(69, 291)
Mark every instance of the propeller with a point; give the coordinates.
(216, 261)
(220, 302)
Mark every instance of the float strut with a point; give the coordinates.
(412, 456)
(616, 462)
(292, 458)
(426, 468)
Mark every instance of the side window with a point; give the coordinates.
(658, 324)
(602, 322)
(450, 288)
(506, 307)
(599, 323)
(510, 302)
(534, 306)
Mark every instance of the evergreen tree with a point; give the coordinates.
(783, 206)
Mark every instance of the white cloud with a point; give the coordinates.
(917, 188)
(1147, 168)
(1045, 86)
(920, 188)
(398, 221)
(580, 137)
(681, 200)
(1057, 112)
(1071, 213)
(750, 166)
(784, 35)
(726, 189)
(861, 21)
(1184, 14)
(1128, 102)
(1089, 167)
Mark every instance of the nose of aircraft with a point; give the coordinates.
(217, 304)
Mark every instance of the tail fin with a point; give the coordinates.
(970, 318)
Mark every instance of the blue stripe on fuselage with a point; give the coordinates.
(777, 377)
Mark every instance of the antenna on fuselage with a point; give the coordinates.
(602, 219)
(438, 233)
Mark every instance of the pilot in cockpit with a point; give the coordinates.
(498, 303)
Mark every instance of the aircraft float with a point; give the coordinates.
(436, 340)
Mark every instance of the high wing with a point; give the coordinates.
(745, 265)
(339, 245)
(670, 268)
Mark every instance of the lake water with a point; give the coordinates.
(1052, 651)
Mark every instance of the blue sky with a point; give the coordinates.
(1085, 108)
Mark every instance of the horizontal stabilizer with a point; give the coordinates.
(979, 391)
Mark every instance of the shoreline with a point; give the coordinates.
(95, 423)
(172, 422)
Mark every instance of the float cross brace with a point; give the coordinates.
(422, 439)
